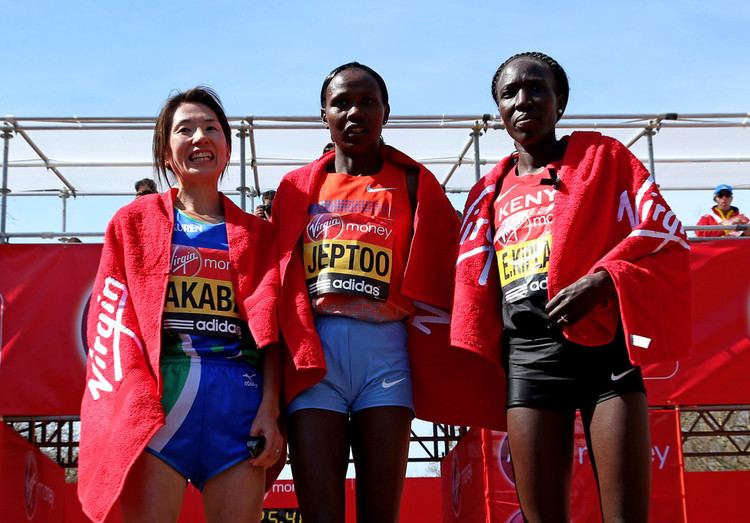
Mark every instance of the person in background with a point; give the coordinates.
(571, 264)
(264, 210)
(723, 213)
(183, 375)
(144, 187)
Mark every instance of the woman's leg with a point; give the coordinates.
(380, 445)
(620, 447)
(541, 448)
(153, 492)
(319, 453)
(235, 494)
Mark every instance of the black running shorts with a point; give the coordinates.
(554, 373)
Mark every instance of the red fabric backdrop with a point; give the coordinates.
(44, 289)
(420, 504)
(717, 496)
(720, 355)
(478, 478)
(33, 486)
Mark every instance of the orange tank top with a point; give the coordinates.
(356, 245)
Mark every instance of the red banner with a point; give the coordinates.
(44, 290)
(720, 355)
(717, 496)
(33, 486)
(420, 503)
(478, 480)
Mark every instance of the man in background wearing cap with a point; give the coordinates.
(723, 214)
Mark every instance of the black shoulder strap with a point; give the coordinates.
(412, 184)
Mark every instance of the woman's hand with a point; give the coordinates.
(266, 421)
(578, 299)
(266, 425)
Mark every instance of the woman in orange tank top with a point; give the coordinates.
(346, 224)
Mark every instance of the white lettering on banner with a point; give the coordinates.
(439, 316)
(662, 456)
(109, 328)
(282, 487)
(658, 453)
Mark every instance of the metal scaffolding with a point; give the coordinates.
(457, 172)
(717, 432)
(273, 133)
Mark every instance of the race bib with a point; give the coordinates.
(200, 296)
(348, 253)
(524, 267)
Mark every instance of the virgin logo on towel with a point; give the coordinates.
(186, 261)
(650, 209)
(476, 230)
(324, 226)
(105, 358)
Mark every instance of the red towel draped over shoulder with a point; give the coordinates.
(450, 385)
(608, 215)
(121, 408)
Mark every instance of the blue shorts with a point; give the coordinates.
(368, 366)
(210, 406)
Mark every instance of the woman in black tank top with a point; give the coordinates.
(531, 91)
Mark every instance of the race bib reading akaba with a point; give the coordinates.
(200, 297)
(349, 253)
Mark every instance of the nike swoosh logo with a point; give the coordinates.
(617, 377)
(389, 384)
(370, 188)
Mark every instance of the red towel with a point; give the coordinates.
(609, 215)
(451, 385)
(121, 408)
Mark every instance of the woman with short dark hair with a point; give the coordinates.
(183, 377)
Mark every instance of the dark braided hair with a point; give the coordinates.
(353, 65)
(561, 79)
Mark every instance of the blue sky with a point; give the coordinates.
(107, 58)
